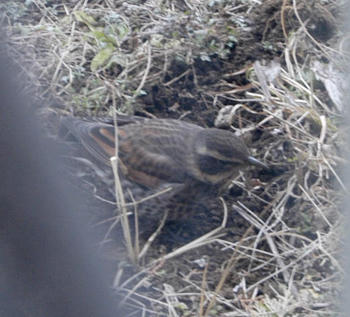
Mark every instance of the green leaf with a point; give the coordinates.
(102, 38)
(85, 18)
(102, 57)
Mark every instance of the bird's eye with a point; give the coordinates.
(210, 165)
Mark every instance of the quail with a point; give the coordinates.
(196, 163)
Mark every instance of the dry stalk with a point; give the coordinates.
(121, 199)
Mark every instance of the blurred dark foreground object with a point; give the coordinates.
(345, 252)
(48, 265)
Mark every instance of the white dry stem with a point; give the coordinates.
(120, 197)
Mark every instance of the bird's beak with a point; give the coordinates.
(256, 162)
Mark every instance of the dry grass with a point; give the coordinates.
(96, 56)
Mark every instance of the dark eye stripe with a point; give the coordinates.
(212, 166)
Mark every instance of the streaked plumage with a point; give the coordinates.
(198, 163)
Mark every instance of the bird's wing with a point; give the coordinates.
(150, 153)
(154, 152)
(88, 133)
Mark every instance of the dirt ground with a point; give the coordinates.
(277, 254)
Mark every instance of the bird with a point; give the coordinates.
(196, 163)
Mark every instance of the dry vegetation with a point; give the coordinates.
(276, 66)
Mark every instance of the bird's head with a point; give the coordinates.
(219, 155)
